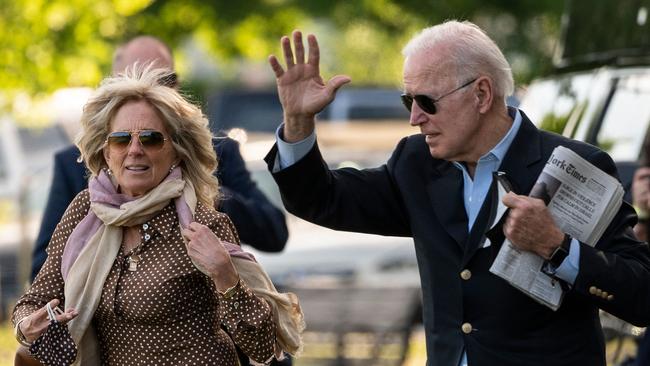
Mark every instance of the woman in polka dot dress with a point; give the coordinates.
(147, 272)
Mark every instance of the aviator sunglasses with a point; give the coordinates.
(149, 139)
(426, 103)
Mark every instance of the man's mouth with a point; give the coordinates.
(430, 136)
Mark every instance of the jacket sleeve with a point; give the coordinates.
(615, 274)
(257, 220)
(348, 199)
(62, 192)
(48, 284)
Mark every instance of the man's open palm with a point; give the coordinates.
(301, 89)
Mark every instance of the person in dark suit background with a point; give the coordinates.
(641, 201)
(434, 189)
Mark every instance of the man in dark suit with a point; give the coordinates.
(258, 222)
(434, 189)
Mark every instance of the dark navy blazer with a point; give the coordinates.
(258, 222)
(417, 196)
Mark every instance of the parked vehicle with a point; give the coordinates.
(600, 92)
(260, 110)
(608, 107)
(25, 175)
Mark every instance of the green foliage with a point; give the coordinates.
(554, 123)
(46, 45)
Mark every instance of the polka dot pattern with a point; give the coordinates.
(166, 312)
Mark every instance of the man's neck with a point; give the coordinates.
(495, 129)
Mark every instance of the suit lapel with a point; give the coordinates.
(521, 165)
(521, 162)
(446, 191)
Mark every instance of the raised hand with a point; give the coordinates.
(301, 89)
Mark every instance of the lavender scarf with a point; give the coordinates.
(103, 192)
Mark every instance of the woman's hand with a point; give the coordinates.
(210, 256)
(37, 322)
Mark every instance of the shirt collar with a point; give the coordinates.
(502, 147)
(164, 223)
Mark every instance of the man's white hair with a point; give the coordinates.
(470, 50)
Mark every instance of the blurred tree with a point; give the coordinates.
(46, 45)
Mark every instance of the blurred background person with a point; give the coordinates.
(641, 202)
(259, 223)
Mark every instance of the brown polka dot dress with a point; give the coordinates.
(165, 311)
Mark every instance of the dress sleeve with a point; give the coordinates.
(247, 318)
(249, 322)
(48, 284)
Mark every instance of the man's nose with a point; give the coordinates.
(417, 116)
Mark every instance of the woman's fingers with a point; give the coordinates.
(38, 321)
(66, 316)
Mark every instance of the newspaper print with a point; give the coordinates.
(582, 199)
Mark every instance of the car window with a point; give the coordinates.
(365, 104)
(626, 120)
(250, 110)
(550, 103)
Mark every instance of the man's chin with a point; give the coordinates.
(436, 153)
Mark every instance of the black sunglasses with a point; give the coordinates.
(149, 139)
(426, 103)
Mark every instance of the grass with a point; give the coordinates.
(8, 344)
(416, 353)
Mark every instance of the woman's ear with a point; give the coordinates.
(106, 154)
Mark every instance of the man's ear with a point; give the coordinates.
(484, 93)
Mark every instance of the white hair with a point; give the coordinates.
(470, 50)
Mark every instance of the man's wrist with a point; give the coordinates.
(561, 252)
(297, 128)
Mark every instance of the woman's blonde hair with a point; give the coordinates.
(184, 121)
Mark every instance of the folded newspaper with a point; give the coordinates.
(582, 200)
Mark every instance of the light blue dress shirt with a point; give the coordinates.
(474, 190)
